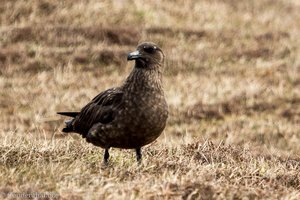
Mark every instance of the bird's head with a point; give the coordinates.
(147, 55)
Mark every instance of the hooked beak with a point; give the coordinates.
(134, 55)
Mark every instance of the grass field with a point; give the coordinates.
(232, 80)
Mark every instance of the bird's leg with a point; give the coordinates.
(138, 155)
(106, 156)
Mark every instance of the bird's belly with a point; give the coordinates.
(141, 131)
(134, 140)
(137, 129)
(138, 133)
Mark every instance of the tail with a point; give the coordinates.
(69, 123)
(69, 114)
(69, 126)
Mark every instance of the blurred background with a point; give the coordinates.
(232, 70)
(231, 77)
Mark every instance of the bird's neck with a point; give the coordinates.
(143, 80)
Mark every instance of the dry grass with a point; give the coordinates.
(232, 80)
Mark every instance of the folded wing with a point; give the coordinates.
(102, 109)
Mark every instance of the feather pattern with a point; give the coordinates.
(102, 109)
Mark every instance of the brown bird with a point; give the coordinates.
(129, 116)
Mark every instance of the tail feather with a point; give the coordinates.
(67, 130)
(69, 126)
(69, 114)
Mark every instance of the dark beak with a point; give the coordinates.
(134, 55)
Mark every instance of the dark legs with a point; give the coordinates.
(138, 155)
(106, 156)
(137, 151)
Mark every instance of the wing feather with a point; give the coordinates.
(102, 108)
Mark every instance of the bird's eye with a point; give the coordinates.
(149, 49)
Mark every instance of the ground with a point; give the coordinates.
(232, 81)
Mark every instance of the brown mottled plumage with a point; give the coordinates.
(129, 116)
